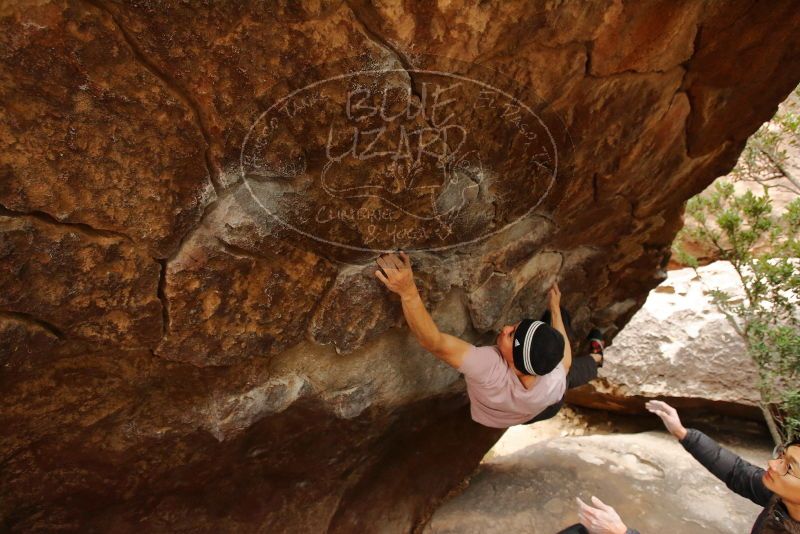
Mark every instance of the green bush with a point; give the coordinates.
(764, 249)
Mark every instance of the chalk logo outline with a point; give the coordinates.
(296, 168)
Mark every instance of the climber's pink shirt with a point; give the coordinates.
(497, 397)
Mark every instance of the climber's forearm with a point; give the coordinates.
(558, 324)
(419, 320)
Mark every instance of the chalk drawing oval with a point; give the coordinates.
(409, 158)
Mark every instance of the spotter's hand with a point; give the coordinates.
(396, 274)
(600, 518)
(669, 416)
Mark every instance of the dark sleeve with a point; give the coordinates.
(739, 475)
(631, 531)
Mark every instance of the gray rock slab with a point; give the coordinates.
(654, 484)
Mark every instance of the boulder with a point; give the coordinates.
(192, 198)
(679, 346)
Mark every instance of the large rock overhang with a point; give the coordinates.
(190, 333)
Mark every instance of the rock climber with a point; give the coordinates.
(777, 488)
(520, 379)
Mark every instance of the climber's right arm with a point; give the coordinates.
(447, 348)
(399, 278)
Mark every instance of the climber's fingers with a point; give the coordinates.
(381, 276)
(401, 264)
(398, 263)
(406, 259)
(393, 261)
(385, 265)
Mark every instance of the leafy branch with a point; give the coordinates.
(763, 249)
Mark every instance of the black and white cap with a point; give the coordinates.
(537, 347)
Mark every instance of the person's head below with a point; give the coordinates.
(531, 347)
(783, 472)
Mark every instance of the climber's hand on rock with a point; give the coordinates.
(669, 416)
(600, 520)
(397, 274)
(554, 297)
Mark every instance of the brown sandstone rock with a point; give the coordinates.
(97, 288)
(24, 342)
(227, 303)
(89, 134)
(179, 355)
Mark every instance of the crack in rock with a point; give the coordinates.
(28, 318)
(49, 219)
(162, 296)
(361, 12)
(211, 169)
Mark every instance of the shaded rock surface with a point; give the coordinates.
(781, 189)
(528, 484)
(192, 338)
(679, 346)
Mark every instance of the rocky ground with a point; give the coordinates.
(528, 482)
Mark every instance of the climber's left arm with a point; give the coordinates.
(399, 278)
(557, 321)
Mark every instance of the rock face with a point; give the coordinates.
(651, 481)
(782, 191)
(679, 346)
(192, 197)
